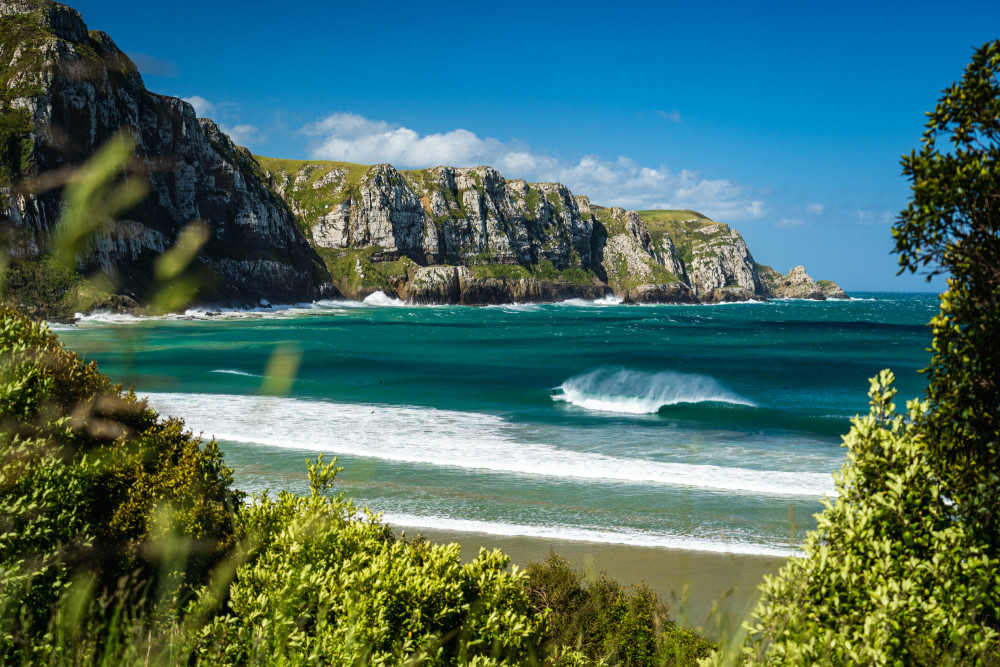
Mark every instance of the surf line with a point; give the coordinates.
(446, 438)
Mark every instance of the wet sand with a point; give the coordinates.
(709, 591)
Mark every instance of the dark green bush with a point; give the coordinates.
(601, 621)
(91, 481)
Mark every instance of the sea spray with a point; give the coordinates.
(380, 299)
(639, 392)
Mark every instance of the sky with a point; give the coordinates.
(785, 120)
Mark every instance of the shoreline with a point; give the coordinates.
(708, 591)
(215, 312)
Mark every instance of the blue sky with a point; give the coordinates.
(785, 120)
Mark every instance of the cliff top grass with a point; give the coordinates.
(677, 223)
(687, 229)
(354, 171)
(655, 216)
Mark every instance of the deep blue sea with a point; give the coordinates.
(711, 428)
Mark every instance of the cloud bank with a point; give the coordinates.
(619, 182)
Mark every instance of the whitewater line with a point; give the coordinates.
(466, 440)
(635, 538)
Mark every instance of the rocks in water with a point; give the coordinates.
(460, 285)
(797, 284)
(436, 285)
(669, 293)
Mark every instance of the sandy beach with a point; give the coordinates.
(710, 591)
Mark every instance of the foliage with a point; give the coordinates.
(904, 565)
(499, 271)
(889, 575)
(20, 34)
(46, 288)
(952, 225)
(328, 583)
(601, 621)
(91, 480)
(356, 271)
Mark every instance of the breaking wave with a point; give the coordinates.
(640, 392)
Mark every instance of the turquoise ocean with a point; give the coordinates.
(710, 428)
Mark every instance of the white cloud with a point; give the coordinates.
(673, 116)
(619, 182)
(202, 107)
(241, 135)
(873, 217)
(814, 209)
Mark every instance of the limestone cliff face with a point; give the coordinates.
(448, 235)
(76, 90)
(442, 215)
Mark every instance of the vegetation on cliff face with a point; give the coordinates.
(16, 144)
(504, 230)
(311, 187)
(65, 92)
(683, 227)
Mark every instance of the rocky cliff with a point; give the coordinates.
(293, 230)
(450, 235)
(64, 92)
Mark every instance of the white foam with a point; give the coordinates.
(105, 317)
(638, 538)
(229, 371)
(637, 392)
(467, 440)
(263, 311)
(381, 300)
(738, 303)
(609, 300)
(519, 307)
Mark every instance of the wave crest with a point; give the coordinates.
(640, 392)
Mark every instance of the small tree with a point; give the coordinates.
(903, 567)
(953, 225)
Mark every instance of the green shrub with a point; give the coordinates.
(889, 576)
(601, 621)
(45, 288)
(328, 583)
(91, 481)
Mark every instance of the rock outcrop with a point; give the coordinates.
(798, 285)
(68, 91)
(410, 233)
